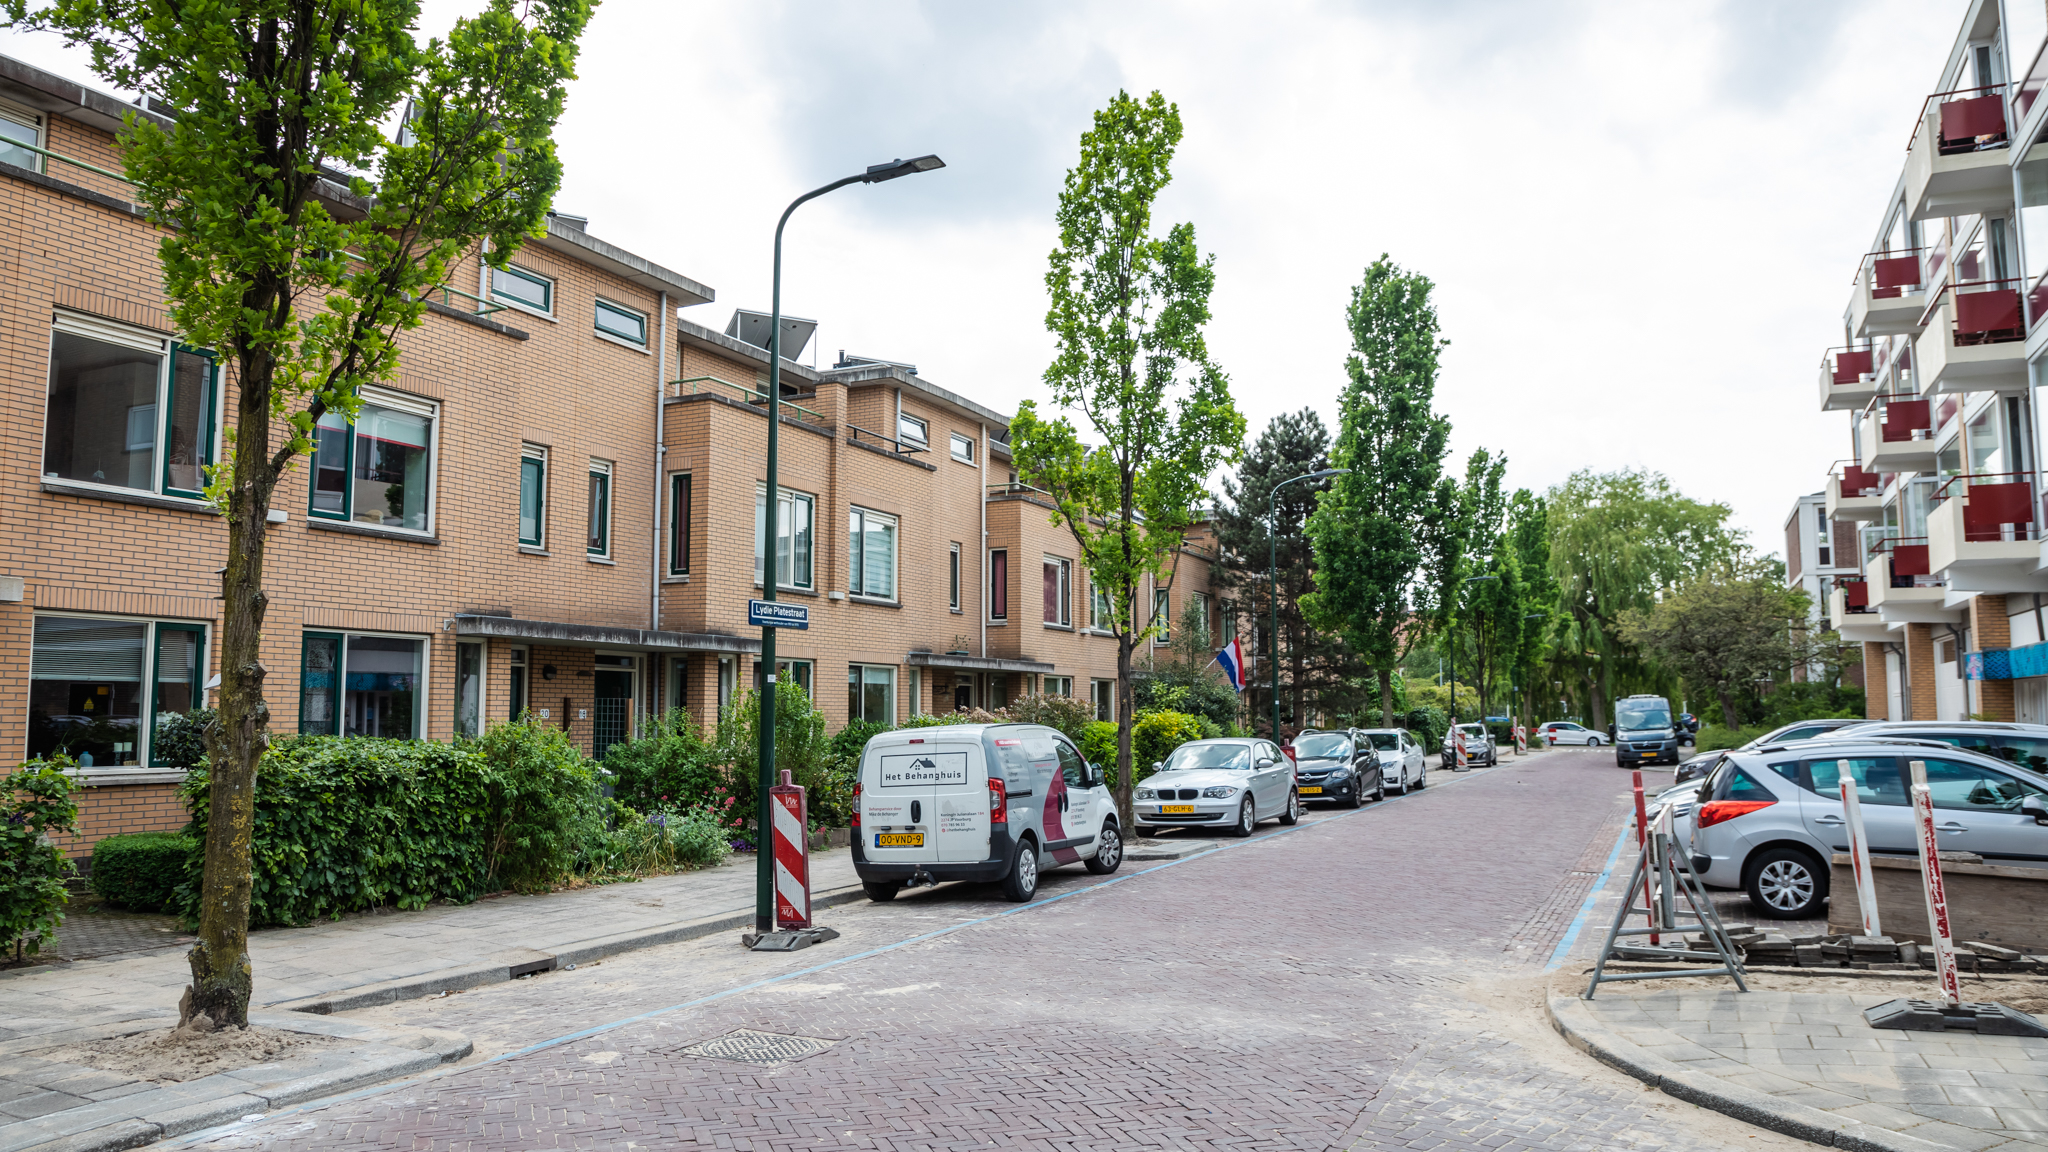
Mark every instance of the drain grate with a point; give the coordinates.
(750, 1047)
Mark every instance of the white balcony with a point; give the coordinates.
(1889, 296)
(1865, 502)
(1981, 539)
(1855, 626)
(1965, 168)
(1918, 605)
(1975, 342)
(1912, 451)
(1847, 382)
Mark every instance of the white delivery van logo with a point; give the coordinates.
(924, 769)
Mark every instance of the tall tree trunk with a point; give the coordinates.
(1386, 697)
(1596, 700)
(1295, 665)
(1728, 715)
(222, 977)
(1126, 818)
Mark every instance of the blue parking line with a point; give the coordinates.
(1571, 934)
(585, 1033)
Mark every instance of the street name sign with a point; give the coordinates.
(776, 614)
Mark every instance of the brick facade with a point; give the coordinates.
(1920, 702)
(1876, 690)
(1989, 629)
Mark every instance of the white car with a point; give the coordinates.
(1566, 732)
(1229, 783)
(1402, 764)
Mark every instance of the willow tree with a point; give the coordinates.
(1128, 307)
(301, 232)
(1618, 542)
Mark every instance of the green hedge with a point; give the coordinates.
(141, 870)
(35, 805)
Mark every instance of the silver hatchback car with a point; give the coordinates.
(1770, 819)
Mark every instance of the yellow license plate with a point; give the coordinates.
(1176, 809)
(899, 839)
(1315, 791)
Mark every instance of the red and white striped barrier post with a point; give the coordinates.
(1937, 896)
(1521, 739)
(792, 856)
(1859, 850)
(1458, 762)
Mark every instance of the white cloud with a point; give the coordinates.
(1642, 218)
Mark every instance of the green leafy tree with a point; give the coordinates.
(299, 240)
(1368, 527)
(1315, 664)
(1523, 646)
(1127, 312)
(1618, 540)
(1723, 633)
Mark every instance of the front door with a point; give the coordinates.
(1075, 810)
(1272, 776)
(611, 719)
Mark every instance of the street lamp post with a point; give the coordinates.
(764, 874)
(1273, 578)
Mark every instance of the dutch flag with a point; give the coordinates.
(1231, 658)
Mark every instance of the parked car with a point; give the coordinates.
(978, 802)
(1402, 764)
(1699, 766)
(1768, 821)
(1232, 783)
(1338, 767)
(2023, 744)
(1566, 732)
(1479, 746)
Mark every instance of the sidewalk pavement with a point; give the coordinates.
(1808, 1065)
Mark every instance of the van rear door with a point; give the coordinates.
(899, 798)
(961, 794)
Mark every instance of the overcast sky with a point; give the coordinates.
(1642, 219)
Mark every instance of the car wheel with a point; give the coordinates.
(1379, 790)
(1247, 819)
(1785, 884)
(1109, 851)
(1291, 814)
(1022, 882)
(1422, 778)
(881, 892)
(1401, 784)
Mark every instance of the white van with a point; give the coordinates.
(978, 802)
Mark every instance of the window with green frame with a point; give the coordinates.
(128, 409)
(378, 470)
(622, 323)
(354, 685)
(514, 286)
(533, 495)
(600, 542)
(100, 686)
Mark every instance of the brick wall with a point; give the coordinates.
(107, 810)
(1990, 628)
(1920, 672)
(1875, 691)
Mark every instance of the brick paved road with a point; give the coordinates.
(1302, 991)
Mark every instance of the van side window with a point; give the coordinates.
(1072, 767)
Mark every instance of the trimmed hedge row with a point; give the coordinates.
(141, 870)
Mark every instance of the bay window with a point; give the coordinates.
(793, 511)
(871, 554)
(128, 409)
(377, 471)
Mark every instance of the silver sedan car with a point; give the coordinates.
(1230, 783)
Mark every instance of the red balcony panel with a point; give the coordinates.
(1965, 120)
(1856, 481)
(1902, 418)
(1851, 366)
(1910, 560)
(1855, 594)
(1989, 507)
(1994, 311)
(1897, 272)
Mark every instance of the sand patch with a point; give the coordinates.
(165, 1057)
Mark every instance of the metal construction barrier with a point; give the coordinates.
(1658, 867)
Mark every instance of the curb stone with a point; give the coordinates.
(1570, 1017)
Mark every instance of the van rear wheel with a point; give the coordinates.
(1022, 882)
(881, 893)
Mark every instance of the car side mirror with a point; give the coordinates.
(1095, 775)
(1159, 765)
(2036, 807)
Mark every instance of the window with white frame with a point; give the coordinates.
(101, 686)
(871, 693)
(914, 685)
(469, 689)
(1103, 694)
(379, 470)
(793, 525)
(600, 534)
(1059, 580)
(1160, 619)
(515, 667)
(128, 408)
(18, 126)
(622, 323)
(1199, 611)
(522, 289)
(533, 495)
(1057, 686)
(359, 685)
(909, 428)
(871, 554)
(963, 448)
(953, 577)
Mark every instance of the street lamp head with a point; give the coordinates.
(877, 173)
(1327, 472)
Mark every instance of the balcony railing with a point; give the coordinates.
(1997, 506)
(855, 434)
(1908, 557)
(1855, 593)
(1972, 119)
(1899, 419)
(1892, 273)
(696, 384)
(1854, 480)
(1985, 311)
(1848, 365)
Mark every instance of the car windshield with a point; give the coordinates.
(1472, 729)
(1636, 715)
(1231, 756)
(1384, 741)
(1322, 746)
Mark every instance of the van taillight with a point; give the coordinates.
(856, 803)
(998, 802)
(1715, 811)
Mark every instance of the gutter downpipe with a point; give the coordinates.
(660, 477)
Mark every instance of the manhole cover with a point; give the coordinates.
(749, 1047)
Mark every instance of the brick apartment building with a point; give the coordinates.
(556, 508)
(1940, 352)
